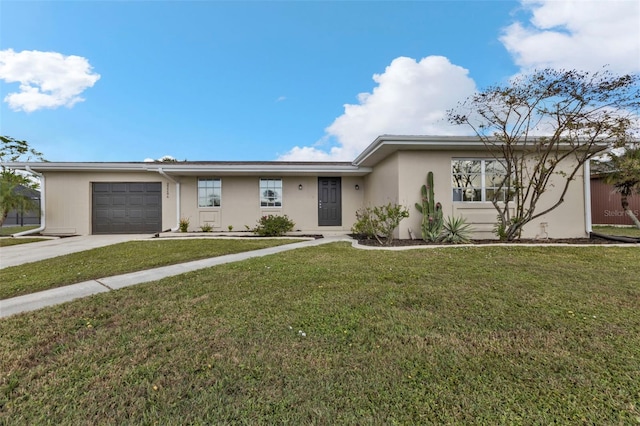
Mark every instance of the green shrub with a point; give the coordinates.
(379, 222)
(456, 230)
(206, 227)
(273, 226)
(184, 224)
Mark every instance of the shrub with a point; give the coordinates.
(184, 224)
(456, 230)
(206, 227)
(379, 222)
(273, 226)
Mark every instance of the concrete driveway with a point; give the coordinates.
(32, 252)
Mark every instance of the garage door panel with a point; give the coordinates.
(119, 200)
(101, 200)
(152, 200)
(127, 207)
(135, 200)
(101, 187)
(119, 187)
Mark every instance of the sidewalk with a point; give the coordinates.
(34, 301)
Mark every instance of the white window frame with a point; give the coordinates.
(467, 194)
(210, 192)
(274, 185)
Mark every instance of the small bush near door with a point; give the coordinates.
(379, 222)
(273, 226)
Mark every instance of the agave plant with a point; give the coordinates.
(456, 230)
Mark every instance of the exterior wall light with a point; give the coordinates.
(300, 187)
(357, 187)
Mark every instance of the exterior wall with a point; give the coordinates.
(240, 203)
(566, 221)
(395, 179)
(606, 208)
(69, 194)
(382, 185)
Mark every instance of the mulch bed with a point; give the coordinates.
(418, 242)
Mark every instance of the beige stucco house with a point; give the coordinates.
(141, 197)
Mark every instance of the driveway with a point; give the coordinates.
(32, 252)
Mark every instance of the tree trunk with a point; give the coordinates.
(625, 206)
(3, 215)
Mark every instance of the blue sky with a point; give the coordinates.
(267, 80)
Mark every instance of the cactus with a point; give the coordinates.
(431, 211)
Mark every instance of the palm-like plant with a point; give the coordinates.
(625, 177)
(11, 198)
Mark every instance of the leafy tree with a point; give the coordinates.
(625, 176)
(543, 127)
(14, 150)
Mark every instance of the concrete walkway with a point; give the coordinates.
(31, 302)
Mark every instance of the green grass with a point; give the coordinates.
(118, 259)
(482, 335)
(6, 242)
(10, 230)
(625, 231)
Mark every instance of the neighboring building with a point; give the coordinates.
(102, 198)
(19, 218)
(606, 206)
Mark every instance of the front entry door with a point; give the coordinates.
(329, 201)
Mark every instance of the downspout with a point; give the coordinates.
(587, 196)
(42, 204)
(169, 178)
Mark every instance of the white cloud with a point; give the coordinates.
(47, 79)
(411, 98)
(579, 34)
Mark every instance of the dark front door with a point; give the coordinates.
(127, 207)
(329, 202)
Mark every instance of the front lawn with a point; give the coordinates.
(119, 259)
(337, 335)
(7, 241)
(10, 230)
(624, 231)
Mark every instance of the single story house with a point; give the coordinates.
(142, 197)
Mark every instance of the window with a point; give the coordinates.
(209, 192)
(479, 180)
(270, 192)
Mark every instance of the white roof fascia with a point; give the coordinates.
(385, 145)
(178, 169)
